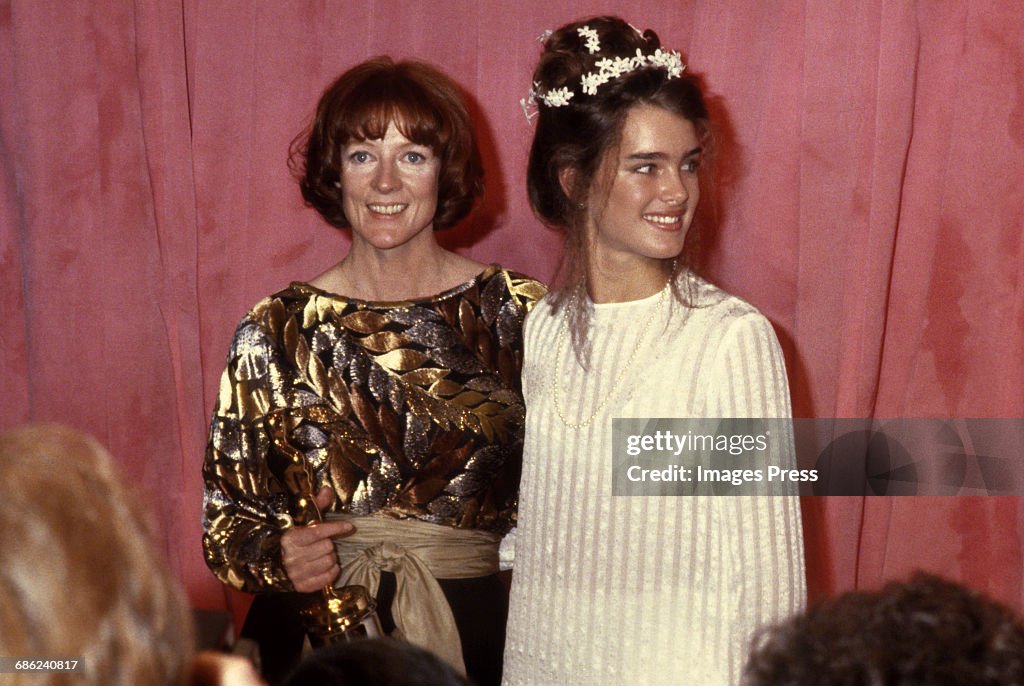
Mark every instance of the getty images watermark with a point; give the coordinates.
(818, 456)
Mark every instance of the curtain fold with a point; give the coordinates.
(870, 204)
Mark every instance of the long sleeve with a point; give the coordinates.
(763, 533)
(244, 510)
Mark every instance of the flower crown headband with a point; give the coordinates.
(608, 68)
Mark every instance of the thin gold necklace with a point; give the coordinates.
(576, 426)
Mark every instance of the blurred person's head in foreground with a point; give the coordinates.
(79, 576)
(374, 662)
(923, 632)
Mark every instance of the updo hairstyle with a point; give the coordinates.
(426, 107)
(577, 136)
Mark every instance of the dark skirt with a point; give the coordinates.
(479, 605)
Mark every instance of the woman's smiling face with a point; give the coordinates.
(389, 189)
(646, 191)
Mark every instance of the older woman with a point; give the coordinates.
(393, 377)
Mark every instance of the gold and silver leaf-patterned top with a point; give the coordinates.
(411, 409)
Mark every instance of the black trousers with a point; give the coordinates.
(479, 605)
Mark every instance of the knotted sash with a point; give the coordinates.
(418, 554)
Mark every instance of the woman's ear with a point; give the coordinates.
(567, 180)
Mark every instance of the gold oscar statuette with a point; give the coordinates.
(334, 614)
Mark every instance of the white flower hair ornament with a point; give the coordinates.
(608, 68)
(590, 35)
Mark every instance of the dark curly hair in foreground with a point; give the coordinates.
(925, 632)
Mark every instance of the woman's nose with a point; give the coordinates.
(674, 189)
(386, 179)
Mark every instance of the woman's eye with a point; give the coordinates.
(644, 169)
(359, 156)
(691, 165)
(415, 157)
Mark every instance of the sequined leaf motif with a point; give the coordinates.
(493, 420)
(484, 384)
(359, 368)
(414, 315)
(259, 402)
(456, 359)
(414, 437)
(505, 397)
(274, 314)
(341, 476)
(508, 367)
(356, 451)
(445, 388)
(311, 404)
(323, 342)
(487, 460)
(243, 400)
(342, 355)
(382, 341)
(446, 507)
(396, 396)
(469, 399)
(484, 346)
(432, 335)
(424, 376)
(318, 375)
(295, 346)
(379, 382)
(509, 325)
(439, 412)
(527, 291)
(448, 456)
(337, 393)
(359, 505)
(301, 352)
(490, 299)
(290, 338)
(401, 360)
(309, 313)
(468, 323)
(425, 490)
(364, 321)
(391, 432)
(465, 485)
(470, 513)
(383, 481)
(225, 391)
(363, 409)
(325, 308)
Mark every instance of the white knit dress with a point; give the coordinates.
(645, 590)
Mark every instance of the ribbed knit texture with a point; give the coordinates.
(646, 590)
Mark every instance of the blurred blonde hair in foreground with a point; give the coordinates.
(79, 576)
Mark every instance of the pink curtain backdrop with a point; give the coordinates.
(872, 206)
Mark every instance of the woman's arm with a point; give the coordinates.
(244, 508)
(764, 533)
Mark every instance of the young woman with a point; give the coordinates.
(388, 386)
(615, 589)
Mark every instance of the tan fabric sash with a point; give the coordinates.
(417, 553)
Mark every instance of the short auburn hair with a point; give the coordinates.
(426, 107)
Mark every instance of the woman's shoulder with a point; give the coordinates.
(706, 296)
(525, 290)
(271, 312)
(717, 316)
